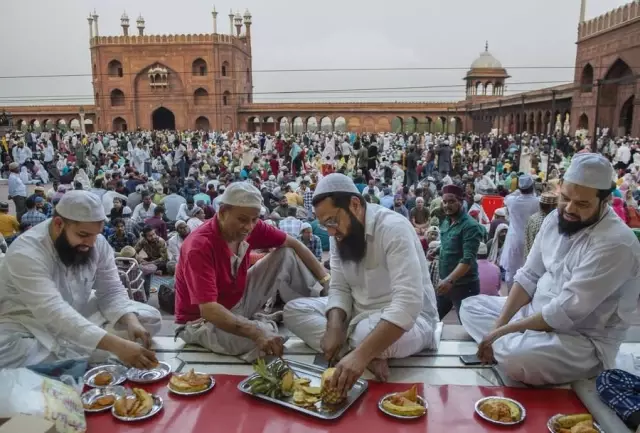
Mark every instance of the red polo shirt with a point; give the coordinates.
(203, 273)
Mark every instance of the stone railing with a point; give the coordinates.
(165, 39)
(613, 19)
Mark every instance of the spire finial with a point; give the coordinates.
(486, 46)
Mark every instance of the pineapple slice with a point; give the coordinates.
(330, 396)
(286, 384)
(312, 390)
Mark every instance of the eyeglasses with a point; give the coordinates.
(331, 222)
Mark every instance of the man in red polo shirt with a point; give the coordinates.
(217, 295)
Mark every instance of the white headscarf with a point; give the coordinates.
(494, 254)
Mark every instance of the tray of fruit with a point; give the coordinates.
(301, 387)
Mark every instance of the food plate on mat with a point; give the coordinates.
(501, 410)
(101, 399)
(137, 375)
(191, 383)
(137, 405)
(403, 405)
(300, 387)
(105, 375)
(580, 423)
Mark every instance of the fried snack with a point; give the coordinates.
(189, 382)
(404, 403)
(103, 379)
(134, 406)
(101, 402)
(497, 410)
(568, 421)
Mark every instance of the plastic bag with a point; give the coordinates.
(26, 392)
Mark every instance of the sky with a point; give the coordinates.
(43, 37)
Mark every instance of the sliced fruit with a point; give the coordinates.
(413, 410)
(312, 390)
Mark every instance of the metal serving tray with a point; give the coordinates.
(314, 374)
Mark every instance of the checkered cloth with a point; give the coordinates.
(307, 199)
(434, 271)
(620, 391)
(314, 244)
(291, 226)
(33, 217)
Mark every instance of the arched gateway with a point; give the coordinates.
(163, 118)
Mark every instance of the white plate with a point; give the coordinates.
(552, 421)
(157, 405)
(212, 383)
(523, 412)
(118, 372)
(147, 376)
(93, 394)
(420, 401)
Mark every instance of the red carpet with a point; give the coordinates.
(227, 410)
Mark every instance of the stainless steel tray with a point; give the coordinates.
(117, 372)
(421, 401)
(552, 421)
(157, 405)
(148, 376)
(93, 394)
(314, 374)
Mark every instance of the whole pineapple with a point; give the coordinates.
(329, 395)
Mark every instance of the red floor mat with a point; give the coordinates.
(227, 410)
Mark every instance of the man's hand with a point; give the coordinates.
(485, 348)
(135, 355)
(348, 371)
(332, 341)
(137, 332)
(270, 343)
(444, 287)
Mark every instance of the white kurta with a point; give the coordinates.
(586, 286)
(391, 283)
(520, 208)
(525, 160)
(49, 311)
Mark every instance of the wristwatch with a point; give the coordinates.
(324, 280)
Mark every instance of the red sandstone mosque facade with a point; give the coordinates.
(205, 82)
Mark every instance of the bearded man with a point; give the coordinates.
(381, 302)
(59, 289)
(572, 301)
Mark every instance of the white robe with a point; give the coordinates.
(51, 312)
(520, 207)
(525, 160)
(586, 286)
(391, 283)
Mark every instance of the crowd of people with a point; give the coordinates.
(360, 243)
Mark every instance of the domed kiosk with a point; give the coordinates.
(485, 79)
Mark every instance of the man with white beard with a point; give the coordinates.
(381, 302)
(572, 301)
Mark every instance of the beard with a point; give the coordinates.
(70, 255)
(568, 228)
(353, 247)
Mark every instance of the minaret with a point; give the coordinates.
(247, 23)
(583, 10)
(140, 22)
(95, 20)
(238, 20)
(124, 22)
(231, 22)
(214, 13)
(90, 19)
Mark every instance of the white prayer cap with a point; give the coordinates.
(500, 212)
(305, 226)
(126, 210)
(180, 223)
(591, 170)
(81, 206)
(525, 181)
(477, 198)
(242, 194)
(335, 182)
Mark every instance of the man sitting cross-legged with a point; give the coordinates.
(572, 301)
(381, 303)
(218, 296)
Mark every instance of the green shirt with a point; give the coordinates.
(459, 243)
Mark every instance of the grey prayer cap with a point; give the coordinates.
(591, 170)
(335, 182)
(81, 206)
(242, 194)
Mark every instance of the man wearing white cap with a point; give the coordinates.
(218, 296)
(570, 305)
(381, 301)
(520, 205)
(59, 287)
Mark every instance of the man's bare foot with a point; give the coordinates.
(380, 369)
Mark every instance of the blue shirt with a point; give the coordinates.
(386, 201)
(16, 186)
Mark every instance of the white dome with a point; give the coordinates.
(486, 60)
